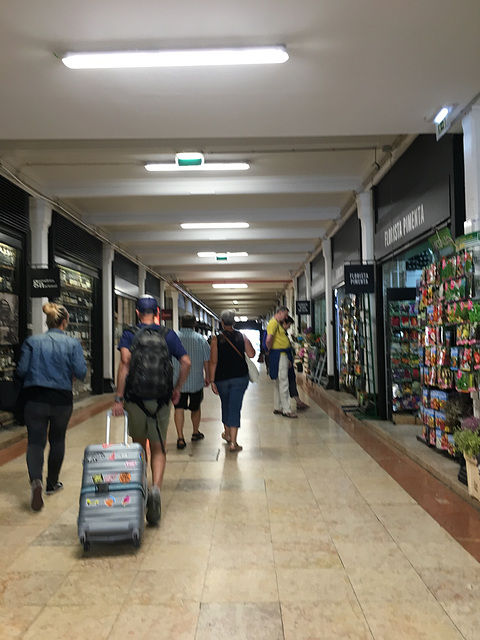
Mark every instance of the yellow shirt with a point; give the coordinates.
(280, 338)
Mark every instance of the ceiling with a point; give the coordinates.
(363, 79)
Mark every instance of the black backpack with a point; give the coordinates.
(150, 375)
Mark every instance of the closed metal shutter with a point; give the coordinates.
(71, 241)
(14, 211)
(125, 269)
(152, 285)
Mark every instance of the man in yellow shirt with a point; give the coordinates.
(278, 346)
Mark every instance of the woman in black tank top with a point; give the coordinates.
(229, 375)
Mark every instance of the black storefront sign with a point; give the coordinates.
(45, 283)
(303, 307)
(359, 278)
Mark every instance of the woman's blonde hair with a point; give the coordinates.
(56, 314)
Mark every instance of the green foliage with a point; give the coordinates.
(467, 442)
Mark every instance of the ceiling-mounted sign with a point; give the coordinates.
(45, 283)
(302, 307)
(359, 278)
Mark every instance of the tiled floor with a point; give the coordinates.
(302, 535)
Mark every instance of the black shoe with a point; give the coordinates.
(53, 488)
(154, 506)
(197, 436)
(181, 444)
(37, 498)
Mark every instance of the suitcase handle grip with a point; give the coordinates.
(109, 420)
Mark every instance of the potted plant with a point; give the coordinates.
(467, 441)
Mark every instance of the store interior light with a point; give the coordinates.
(235, 301)
(231, 285)
(214, 225)
(441, 115)
(206, 166)
(175, 58)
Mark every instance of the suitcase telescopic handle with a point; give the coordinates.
(109, 420)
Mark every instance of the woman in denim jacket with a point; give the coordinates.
(48, 363)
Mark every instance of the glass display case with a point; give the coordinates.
(76, 293)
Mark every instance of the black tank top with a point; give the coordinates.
(230, 363)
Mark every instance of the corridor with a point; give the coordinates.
(301, 536)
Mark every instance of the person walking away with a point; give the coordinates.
(292, 378)
(229, 375)
(191, 394)
(48, 365)
(145, 388)
(278, 346)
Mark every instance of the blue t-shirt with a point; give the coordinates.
(175, 347)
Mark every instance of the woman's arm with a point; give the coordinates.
(249, 350)
(213, 363)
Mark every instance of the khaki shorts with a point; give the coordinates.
(141, 427)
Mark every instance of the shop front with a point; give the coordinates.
(419, 213)
(349, 343)
(318, 295)
(78, 255)
(14, 230)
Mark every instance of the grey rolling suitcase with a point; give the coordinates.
(114, 491)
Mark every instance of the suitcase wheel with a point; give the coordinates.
(136, 540)
(86, 543)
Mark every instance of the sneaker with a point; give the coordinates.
(154, 506)
(53, 488)
(37, 498)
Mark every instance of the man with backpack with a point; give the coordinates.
(145, 389)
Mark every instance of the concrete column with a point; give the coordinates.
(366, 216)
(142, 274)
(471, 152)
(40, 221)
(161, 302)
(175, 309)
(327, 254)
(107, 309)
(308, 280)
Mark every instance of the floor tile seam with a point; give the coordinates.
(420, 500)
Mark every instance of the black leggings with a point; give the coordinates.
(38, 415)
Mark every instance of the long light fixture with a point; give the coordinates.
(206, 166)
(214, 225)
(175, 58)
(228, 254)
(232, 285)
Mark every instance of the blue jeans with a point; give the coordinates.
(231, 394)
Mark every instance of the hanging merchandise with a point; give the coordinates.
(449, 342)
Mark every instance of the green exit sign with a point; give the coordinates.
(221, 258)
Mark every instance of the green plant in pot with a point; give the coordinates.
(467, 438)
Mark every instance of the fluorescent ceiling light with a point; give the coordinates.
(206, 166)
(214, 225)
(235, 301)
(175, 58)
(232, 285)
(212, 254)
(441, 115)
(243, 318)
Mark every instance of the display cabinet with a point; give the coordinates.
(76, 293)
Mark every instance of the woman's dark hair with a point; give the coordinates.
(56, 314)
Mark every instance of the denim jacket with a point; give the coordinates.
(51, 360)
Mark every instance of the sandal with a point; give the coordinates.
(277, 412)
(225, 437)
(181, 444)
(234, 447)
(289, 414)
(197, 436)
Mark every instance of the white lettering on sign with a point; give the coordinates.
(408, 224)
(359, 278)
(44, 283)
